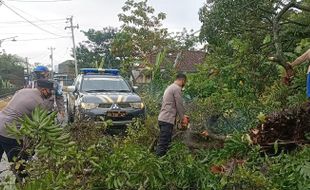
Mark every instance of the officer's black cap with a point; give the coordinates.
(45, 84)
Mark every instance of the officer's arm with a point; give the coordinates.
(179, 103)
(60, 103)
(304, 57)
(59, 98)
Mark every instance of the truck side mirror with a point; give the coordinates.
(69, 89)
(135, 88)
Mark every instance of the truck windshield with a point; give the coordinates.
(104, 85)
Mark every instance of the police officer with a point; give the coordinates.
(42, 73)
(22, 103)
(301, 59)
(172, 106)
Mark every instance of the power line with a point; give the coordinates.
(44, 22)
(34, 21)
(38, 1)
(54, 25)
(38, 39)
(15, 33)
(30, 22)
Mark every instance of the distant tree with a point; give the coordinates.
(96, 49)
(143, 27)
(185, 40)
(12, 69)
(141, 34)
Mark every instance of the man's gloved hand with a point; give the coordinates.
(62, 114)
(185, 120)
(184, 123)
(287, 79)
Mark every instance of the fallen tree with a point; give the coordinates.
(286, 127)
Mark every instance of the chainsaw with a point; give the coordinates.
(185, 124)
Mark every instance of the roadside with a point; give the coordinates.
(4, 164)
(3, 103)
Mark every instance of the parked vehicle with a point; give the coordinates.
(103, 94)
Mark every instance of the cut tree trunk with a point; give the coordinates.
(287, 127)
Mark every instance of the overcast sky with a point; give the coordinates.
(86, 13)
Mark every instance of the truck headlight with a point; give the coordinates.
(89, 106)
(137, 105)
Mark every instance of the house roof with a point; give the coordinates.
(67, 62)
(184, 61)
(188, 60)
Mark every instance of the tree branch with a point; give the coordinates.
(276, 31)
(301, 7)
(280, 58)
(283, 11)
(294, 22)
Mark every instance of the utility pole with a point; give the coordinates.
(52, 61)
(70, 20)
(27, 66)
(27, 76)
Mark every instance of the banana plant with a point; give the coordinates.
(40, 135)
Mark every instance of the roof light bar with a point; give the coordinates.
(88, 71)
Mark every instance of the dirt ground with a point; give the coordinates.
(3, 103)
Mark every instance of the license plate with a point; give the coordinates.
(116, 114)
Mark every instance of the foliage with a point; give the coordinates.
(275, 27)
(232, 91)
(11, 71)
(144, 26)
(40, 133)
(104, 162)
(97, 49)
(142, 35)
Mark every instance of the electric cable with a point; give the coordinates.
(22, 21)
(38, 1)
(30, 22)
(43, 22)
(38, 39)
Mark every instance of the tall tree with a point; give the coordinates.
(262, 23)
(97, 49)
(141, 34)
(144, 27)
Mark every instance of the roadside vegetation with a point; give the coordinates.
(11, 73)
(239, 87)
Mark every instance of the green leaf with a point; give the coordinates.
(261, 117)
(267, 39)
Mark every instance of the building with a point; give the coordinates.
(185, 61)
(66, 73)
(67, 68)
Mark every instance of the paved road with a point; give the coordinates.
(7, 179)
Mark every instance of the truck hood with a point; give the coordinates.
(110, 97)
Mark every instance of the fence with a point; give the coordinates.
(7, 91)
